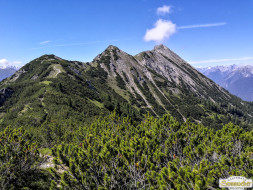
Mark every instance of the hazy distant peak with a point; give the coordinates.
(237, 79)
(7, 71)
(9, 67)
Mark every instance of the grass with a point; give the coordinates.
(46, 82)
(117, 89)
(26, 107)
(46, 151)
(98, 104)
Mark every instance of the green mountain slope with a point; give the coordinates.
(113, 153)
(50, 89)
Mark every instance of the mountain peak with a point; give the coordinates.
(162, 49)
(112, 47)
(49, 57)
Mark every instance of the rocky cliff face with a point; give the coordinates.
(158, 65)
(178, 71)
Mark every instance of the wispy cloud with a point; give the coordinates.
(165, 9)
(221, 60)
(45, 42)
(79, 44)
(162, 30)
(84, 43)
(202, 25)
(6, 63)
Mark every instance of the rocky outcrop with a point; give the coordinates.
(17, 75)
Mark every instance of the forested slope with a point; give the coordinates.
(113, 153)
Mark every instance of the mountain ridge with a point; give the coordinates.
(156, 81)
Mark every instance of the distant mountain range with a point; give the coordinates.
(6, 72)
(238, 80)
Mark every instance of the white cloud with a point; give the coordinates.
(5, 63)
(202, 25)
(162, 30)
(45, 42)
(165, 9)
(221, 60)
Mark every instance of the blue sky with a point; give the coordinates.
(204, 33)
